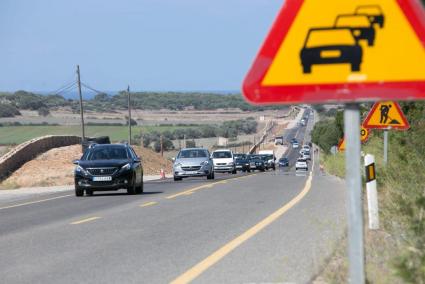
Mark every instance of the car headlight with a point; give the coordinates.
(177, 165)
(231, 164)
(126, 167)
(204, 163)
(81, 170)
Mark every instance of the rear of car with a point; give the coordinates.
(108, 167)
(301, 164)
(224, 161)
(242, 163)
(256, 163)
(283, 162)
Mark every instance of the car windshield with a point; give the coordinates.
(106, 153)
(283, 159)
(222, 155)
(353, 21)
(193, 153)
(330, 37)
(370, 10)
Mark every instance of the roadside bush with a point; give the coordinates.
(167, 145)
(190, 144)
(43, 111)
(7, 110)
(326, 134)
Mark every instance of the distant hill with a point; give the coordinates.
(23, 100)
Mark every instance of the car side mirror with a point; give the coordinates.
(137, 160)
(76, 162)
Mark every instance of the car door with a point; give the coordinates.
(137, 165)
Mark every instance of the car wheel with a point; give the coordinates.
(139, 189)
(234, 172)
(248, 171)
(210, 175)
(89, 192)
(131, 189)
(177, 178)
(307, 69)
(263, 170)
(79, 191)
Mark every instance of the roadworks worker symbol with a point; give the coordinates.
(364, 136)
(386, 115)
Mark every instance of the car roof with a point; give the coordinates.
(193, 149)
(223, 150)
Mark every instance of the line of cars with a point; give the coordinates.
(305, 156)
(199, 162)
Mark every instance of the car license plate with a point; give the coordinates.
(192, 173)
(107, 178)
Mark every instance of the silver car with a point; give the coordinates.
(193, 162)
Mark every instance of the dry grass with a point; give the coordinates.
(55, 167)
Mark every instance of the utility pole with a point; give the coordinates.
(162, 145)
(129, 114)
(83, 134)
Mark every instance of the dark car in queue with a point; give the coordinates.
(242, 162)
(324, 46)
(283, 162)
(374, 12)
(256, 162)
(360, 26)
(108, 167)
(193, 162)
(269, 161)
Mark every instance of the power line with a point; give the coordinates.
(92, 89)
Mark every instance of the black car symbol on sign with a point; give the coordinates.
(360, 25)
(374, 13)
(331, 46)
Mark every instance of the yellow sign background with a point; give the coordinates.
(397, 55)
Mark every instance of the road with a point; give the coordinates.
(246, 228)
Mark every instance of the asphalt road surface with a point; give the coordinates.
(278, 226)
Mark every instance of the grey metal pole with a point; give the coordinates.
(385, 147)
(354, 187)
(129, 114)
(83, 133)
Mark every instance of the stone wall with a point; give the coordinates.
(27, 151)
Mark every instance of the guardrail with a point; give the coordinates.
(28, 150)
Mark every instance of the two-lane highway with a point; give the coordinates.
(261, 227)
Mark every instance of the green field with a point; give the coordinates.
(18, 134)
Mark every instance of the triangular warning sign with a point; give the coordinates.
(364, 136)
(386, 115)
(341, 145)
(341, 51)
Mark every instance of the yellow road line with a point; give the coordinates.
(148, 204)
(85, 220)
(34, 202)
(205, 264)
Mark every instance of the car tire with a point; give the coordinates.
(79, 191)
(177, 178)
(248, 171)
(131, 189)
(210, 175)
(263, 170)
(234, 172)
(139, 189)
(89, 192)
(307, 69)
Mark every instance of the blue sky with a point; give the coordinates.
(150, 44)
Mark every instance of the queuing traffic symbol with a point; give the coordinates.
(364, 136)
(386, 115)
(322, 51)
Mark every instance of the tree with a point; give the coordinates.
(43, 111)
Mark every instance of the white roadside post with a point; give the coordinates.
(371, 191)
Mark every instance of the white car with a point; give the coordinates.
(224, 161)
(301, 164)
(306, 147)
(305, 155)
(295, 145)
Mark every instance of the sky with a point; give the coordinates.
(152, 45)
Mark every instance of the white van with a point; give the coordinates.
(223, 161)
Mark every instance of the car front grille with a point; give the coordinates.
(221, 164)
(102, 171)
(191, 168)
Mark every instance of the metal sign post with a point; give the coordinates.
(385, 147)
(354, 187)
